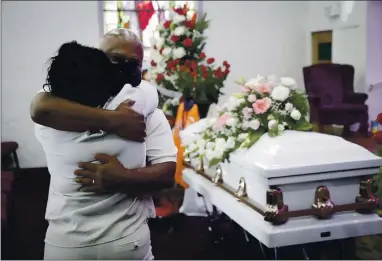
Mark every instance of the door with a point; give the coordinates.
(322, 47)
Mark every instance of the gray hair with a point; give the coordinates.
(120, 34)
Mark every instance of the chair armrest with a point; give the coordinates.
(358, 98)
(314, 107)
(314, 100)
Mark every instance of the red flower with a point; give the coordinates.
(167, 24)
(379, 118)
(193, 74)
(377, 137)
(181, 68)
(205, 75)
(168, 74)
(161, 50)
(160, 77)
(189, 24)
(226, 64)
(218, 73)
(227, 71)
(176, 61)
(202, 55)
(181, 11)
(194, 65)
(210, 60)
(155, 47)
(153, 64)
(170, 65)
(175, 38)
(187, 42)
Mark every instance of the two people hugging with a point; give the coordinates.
(108, 149)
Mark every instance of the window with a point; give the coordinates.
(126, 14)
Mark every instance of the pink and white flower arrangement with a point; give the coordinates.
(263, 105)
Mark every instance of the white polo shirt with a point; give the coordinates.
(78, 219)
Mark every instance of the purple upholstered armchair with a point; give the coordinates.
(332, 98)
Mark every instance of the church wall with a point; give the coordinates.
(265, 37)
(31, 33)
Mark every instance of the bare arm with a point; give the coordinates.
(147, 180)
(111, 175)
(65, 115)
(61, 114)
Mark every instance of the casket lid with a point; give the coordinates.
(298, 153)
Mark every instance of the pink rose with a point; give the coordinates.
(222, 120)
(261, 106)
(264, 88)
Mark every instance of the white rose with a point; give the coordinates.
(210, 145)
(280, 93)
(254, 124)
(178, 18)
(166, 51)
(230, 143)
(180, 30)
(231, 122)
(242, 137)
(288, 82)
(245, 125)
(178, 53)
(156, 56)
(251, 98)
(295, 114)
(254, 82)
(210, 154)
(220, 142)
(211, 121)
(175, 101)
(159, 43)
(271, 124)
(192, 147)
(232, 103)
(288, 106)
(201, 143)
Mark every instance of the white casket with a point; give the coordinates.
(298, 187)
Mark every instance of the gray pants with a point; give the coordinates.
(136, 246)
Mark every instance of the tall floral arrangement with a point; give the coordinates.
(179, 63)
(263, 105)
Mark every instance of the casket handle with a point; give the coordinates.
(276, 211)
(218, 178)
(200, 167)
(366, 195)
(241, 191)
(323, 204)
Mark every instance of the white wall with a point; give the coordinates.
(31, 33)
(349, 38)
(257, 37)
(374, 42)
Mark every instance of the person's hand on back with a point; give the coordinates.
(127, 123)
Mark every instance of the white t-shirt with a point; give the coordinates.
(78, 219)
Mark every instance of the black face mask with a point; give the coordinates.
(128, 72)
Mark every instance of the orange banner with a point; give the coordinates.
(183, 119)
